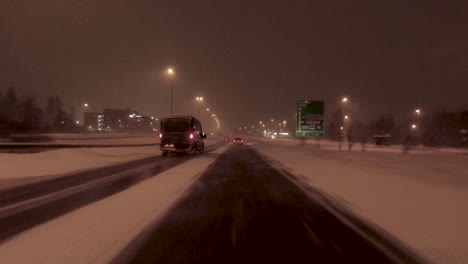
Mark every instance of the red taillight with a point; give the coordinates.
(160, 135)
(191, 135)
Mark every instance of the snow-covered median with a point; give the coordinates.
(116, 140)
(98, 232)
(420, 199)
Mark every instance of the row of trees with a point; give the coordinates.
(438, 128)
(24, 115)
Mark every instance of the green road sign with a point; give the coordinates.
(310, 119)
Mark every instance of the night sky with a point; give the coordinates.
(250, 60)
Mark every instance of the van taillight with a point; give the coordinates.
(160, 135)
(191, 135)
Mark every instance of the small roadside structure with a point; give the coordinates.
(382, 140)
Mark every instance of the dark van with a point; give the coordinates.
(181, 134)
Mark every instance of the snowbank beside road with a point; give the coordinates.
(357, 146)
(91, 141)
(57, 136)
(63, 161)
(420, 199)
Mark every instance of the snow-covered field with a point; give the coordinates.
(419, 199)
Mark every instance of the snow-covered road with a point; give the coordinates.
(417, 198)
(17, 169)
(98, 232)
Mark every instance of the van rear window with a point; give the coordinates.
(176, 125)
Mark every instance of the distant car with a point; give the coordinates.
(238, 141)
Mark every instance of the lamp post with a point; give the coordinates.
(213, 117)
(170, 72)
(199, 99)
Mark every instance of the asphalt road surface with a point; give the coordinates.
(242, 210)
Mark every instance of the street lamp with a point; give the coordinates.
(85, 105)
(413, 126)
(171, 73)
(344, 100)
(346, 117)
(207, 109)
(417, 111)
(199, 99)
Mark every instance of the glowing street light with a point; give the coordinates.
(207, 109)
(344, 100)
(341, 128)
(171, 73)
(85, 105)
(418, 111)
(413, 126)
(346, 117)
(199, 99)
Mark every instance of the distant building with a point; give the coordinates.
(140, 122)
(117, 119)
(93, 121)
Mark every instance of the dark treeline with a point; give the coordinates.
(437, 128)
(24, 115)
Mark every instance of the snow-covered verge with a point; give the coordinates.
(100, 231)
(357, 146)
(419, 199)
(56, 136)
(20, 168)
(124, 140)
